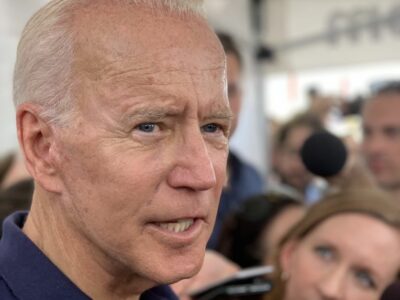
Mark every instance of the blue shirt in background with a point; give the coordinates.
(244, 182)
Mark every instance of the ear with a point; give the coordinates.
(37, 141)
(286, 255)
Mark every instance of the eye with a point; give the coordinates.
(365, 279)
(146, 127)
(392, 132)
(211, 128)
(324, 252)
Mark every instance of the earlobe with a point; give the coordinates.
(36, 139)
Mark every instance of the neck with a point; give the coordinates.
(88, 267)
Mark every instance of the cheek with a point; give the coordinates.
(94, 175)
(303, 272)
(219, 160)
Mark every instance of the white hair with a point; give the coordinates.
(45, 54)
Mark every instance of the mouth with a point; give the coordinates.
(177, 226)
(178, 233)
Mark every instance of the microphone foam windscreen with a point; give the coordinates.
(324, 154)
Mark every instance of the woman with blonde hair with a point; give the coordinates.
(346, 247)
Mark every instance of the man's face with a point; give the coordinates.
(289, 164)
(381, 143)
(144, 162)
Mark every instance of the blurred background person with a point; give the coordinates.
(243, 180)
(381, 146)
(346, 247)
(251, 235)
(381, 137)
(287, 162)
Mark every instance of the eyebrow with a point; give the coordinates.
(159, 113)
(225, 114)
(153, 113)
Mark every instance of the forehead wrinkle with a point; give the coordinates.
(151, 105)
(115, 33)
(125, 97)
(143, 74)
(125, 88)
(218, 103)
(150, 59)
(152, 112)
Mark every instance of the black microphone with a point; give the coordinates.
(324, 154)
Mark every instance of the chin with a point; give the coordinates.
(177, 273)
(189, 267)
(178, 267)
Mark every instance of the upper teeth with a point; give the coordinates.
(178, 226)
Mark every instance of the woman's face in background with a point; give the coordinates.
(349, 256)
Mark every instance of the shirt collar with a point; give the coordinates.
(27, 271)
(31, 275)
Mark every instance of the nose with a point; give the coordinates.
(331, 286)
(193, 167)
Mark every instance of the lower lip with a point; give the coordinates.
(178, 239)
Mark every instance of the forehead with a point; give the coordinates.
(382, 110)
(127, 31)
(130, 50)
